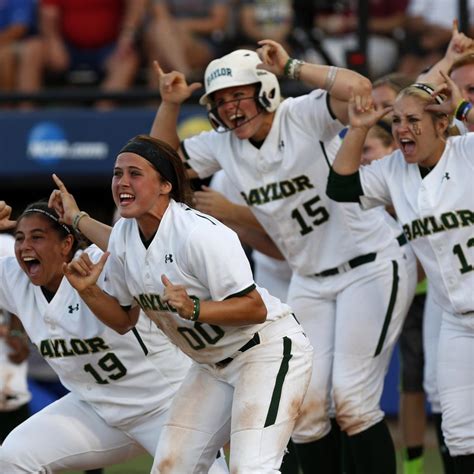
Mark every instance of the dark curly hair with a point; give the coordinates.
(41, 208)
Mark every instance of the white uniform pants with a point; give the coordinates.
(353, 320)
(456, 382)
(431, 328)
(255, 399)
(69, 435)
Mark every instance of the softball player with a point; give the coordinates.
(270, 273)
(14, 393)
(425, 181)
(351, 285)
(120, 386)
(421, 328)
(462, 73)
(218, 200)
(189, 274)
(412, 411)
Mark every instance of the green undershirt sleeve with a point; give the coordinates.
(344, 188)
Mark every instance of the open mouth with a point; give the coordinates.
(32, 265)
(237, 120)
(407, 146)
(126, 199)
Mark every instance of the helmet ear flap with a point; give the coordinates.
(214, 118)
(263, 101)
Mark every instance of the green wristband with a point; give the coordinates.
(77, 218)
(196, 308)
(286, 71)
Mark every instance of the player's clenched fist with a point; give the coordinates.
(177, 297)
(5, 213)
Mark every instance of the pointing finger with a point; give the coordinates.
(61, 186)
(158, 69)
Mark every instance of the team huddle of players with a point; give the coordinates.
(159, 329)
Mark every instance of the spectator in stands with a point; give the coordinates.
(428, 30)
(185, 35)
(20, 48)
(337, 22)
(258, 19)
(97, 34)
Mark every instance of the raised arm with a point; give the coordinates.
(174, 90)
(454, 104)
(362, 116)
(459, 45)
(344, 183)
(337, 81)
(63, 202)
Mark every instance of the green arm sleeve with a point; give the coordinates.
(344, 188)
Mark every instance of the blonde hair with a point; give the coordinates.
(396, 81)
(422, 92)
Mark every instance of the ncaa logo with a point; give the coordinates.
(47, 142)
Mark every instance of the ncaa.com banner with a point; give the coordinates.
(75, 142)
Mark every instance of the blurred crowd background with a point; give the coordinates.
(48, 46)
(98, 55)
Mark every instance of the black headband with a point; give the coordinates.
(152, 154)
(51, 216)
(429, 90)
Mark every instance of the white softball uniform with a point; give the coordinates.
(351, 286)
(431, 327)
(13, 387)
(119, 396)
(438, 219)
(257, 374)
(269, 273)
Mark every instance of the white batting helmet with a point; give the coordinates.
(239, 68)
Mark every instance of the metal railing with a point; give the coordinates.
(133, 96)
